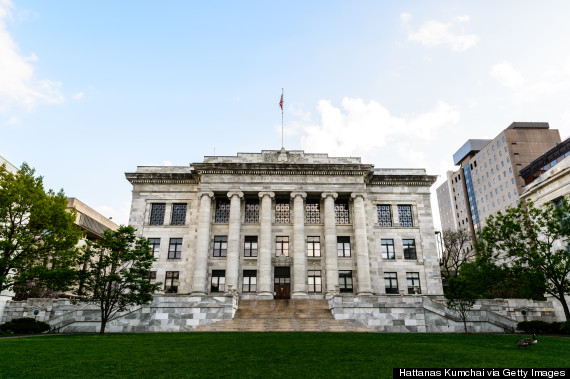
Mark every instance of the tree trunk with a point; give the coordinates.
(564, 306)
(103, 323)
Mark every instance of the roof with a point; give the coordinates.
(471, 146)
(529, 125)
(559, 150)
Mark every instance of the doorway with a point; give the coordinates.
(282, 283)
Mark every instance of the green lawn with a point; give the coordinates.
(175, 355)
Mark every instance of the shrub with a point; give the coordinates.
(565, 327)
(534, 326)
(25, 325)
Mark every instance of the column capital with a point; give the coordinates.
(295, 194)
(334, 195)
(354, 195)
(266, 193)
(209, 194)
(235, 193)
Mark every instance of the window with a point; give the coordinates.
(391, 282)
(315, 281)
(249, 281)
(251, 211)
(409, 249)
(155, 246)
(312, 212)
(220, 246)
(152, 276)
(341, 212)
(345, 281)
(413, 279)
(405, 215)
(157, 214)
(175, 248)
(384, 215)
(178, 214)
(282, 212)
(222, 215)
(314, 246)
(250, 246)
(218, 283)
(387, 247)
(282, 246)
(171, 282)
(343, 246)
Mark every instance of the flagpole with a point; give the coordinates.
(282, 120)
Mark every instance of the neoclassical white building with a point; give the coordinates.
(287, 224)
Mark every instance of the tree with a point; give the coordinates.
(37, 234)
(461, 297)
(117, 272)
(457, 250)
(534, 239)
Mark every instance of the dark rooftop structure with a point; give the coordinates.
(546, 161)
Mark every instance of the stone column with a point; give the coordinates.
(200, 282)
(299, 256)
(331, 255)
(361, 244)
(232, 260)
(264, 276)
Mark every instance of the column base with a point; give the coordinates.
(264, 296)
(299, 295)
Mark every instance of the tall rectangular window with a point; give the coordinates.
(155, 246)
(220, 246)
(171, 282)
(218, 281)
(282, 214)
(384, 215)
(249, 281)
(315, 281)
(343, 246)
(314, 246)
(387, 247)
(178, 214)
(391, 282)
(251, 211)
(175, 248)
(282, 246)
(157, 214)
(152, 276)
(222, 215)
(341, 212)
(312, 212)
(409, 249)
(413, 279)
(405, 215)
(345, 281)
(250, 246)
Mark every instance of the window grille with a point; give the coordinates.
(251, 212)
(222, 211)
(384, 215)
(312, 212)
(405, 215)
(282, 212)
(157, 214)
(178, 214)
(341, 213)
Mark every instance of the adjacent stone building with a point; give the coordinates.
(287, 224)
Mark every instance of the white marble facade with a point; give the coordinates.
(288, 224)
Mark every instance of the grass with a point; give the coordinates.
(247, 355)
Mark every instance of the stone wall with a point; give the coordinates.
(430, 314)
(167, 313)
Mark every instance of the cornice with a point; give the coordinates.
(161, 178)
(403, 180)
(282, 169)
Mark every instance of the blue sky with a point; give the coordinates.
(91, 90)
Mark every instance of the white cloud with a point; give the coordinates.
(14, 120)
(361, 129)
(119, 216)
(507, 75)
(434, 33)
(552, 83)
(18, 84)
(78, 95)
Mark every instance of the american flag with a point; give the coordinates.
(281, 102)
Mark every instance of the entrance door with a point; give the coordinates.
(282, 283)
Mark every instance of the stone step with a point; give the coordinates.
(284, 316)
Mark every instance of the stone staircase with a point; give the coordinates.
(284, 316)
